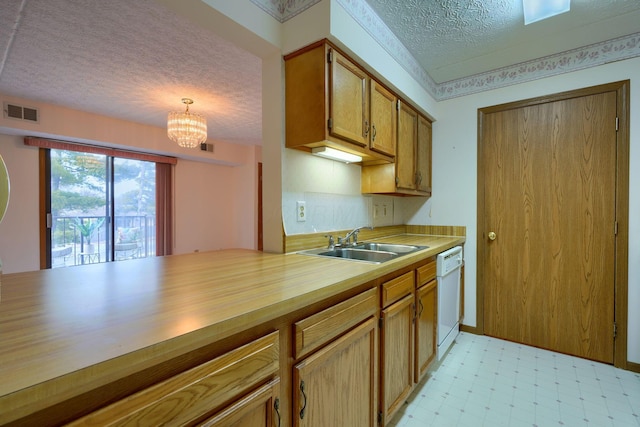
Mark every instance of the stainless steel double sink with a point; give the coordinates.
(371, 252)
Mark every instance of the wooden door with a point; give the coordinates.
(426, 324)
(326, 382)
(406, 155)
(349, 102)
(423, 156)
(383, 119)
(549, 196)
(396, 363)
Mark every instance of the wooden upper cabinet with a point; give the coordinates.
(383, 119)
(348, 101)
(407, 140)
(411, 172)
(327, 103)
(423, 156)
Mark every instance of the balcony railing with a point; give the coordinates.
(134, 237)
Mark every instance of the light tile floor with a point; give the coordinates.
(485, 381)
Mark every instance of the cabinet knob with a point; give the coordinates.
(492, 235)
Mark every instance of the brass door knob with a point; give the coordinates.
(492, 235)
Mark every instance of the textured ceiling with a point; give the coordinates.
(128, 59)
(137, 59)
(452, 39)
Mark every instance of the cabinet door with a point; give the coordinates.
(405, 159)
(337, 385)
(349, 103)
(396, 355)
(383, 119)
(423, 156)
(258, 409)
(427, 318)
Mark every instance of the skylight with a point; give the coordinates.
(537, 10)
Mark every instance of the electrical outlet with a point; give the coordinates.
(382, 213)
(301, 211)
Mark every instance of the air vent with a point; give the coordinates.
(206, 147)
(19, 112)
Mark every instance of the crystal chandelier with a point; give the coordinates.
(187, 129)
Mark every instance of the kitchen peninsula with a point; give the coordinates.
(78, 339)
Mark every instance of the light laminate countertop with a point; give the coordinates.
(69, 330)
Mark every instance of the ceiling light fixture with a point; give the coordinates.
(333, 154)
(187, 129)
(537, 10)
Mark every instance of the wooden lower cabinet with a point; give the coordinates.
(352, 363)
(194, 395)
(396, 338)
(396, 359)
(426, 317)
(426, 324)
(258, 409)
(337, 385)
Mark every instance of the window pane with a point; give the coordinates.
(134, 209)
(78, 208)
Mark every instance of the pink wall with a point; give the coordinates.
(19, 229)
(212, 211)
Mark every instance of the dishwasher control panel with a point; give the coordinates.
(448, 260)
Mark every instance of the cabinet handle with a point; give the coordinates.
(304, 406)
(421, 308)
(276, 406)
(366, 127)
(373, 132)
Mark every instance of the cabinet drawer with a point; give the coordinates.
(314, 331)
(426, 273)
(397, 288)
(188, 396)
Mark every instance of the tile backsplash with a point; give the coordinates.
(324, 212)
(332, 199)
(328, 212)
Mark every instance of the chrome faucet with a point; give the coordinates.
(353, 233)
(331, 242)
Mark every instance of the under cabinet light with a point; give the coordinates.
(333, 154)
(537, 10)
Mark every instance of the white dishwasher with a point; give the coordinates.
(448, 265)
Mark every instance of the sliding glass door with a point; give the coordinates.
(102, 208)
(134, 209)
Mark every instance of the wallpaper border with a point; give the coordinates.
(617, 49)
